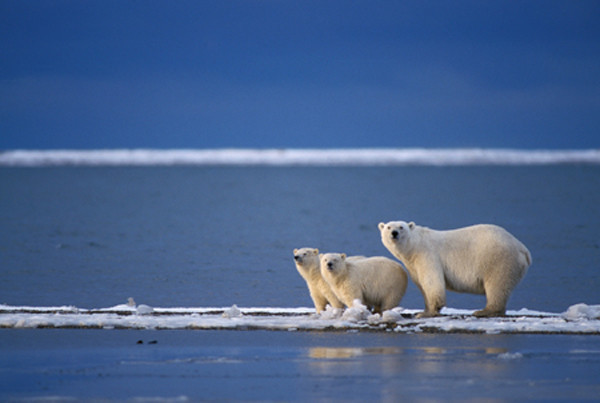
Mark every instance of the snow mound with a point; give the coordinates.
(582, 311)
(144, 310)
(331, 313)
(356, 313)
(233, 312)
(392, 316)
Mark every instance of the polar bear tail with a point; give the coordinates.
(527, 256)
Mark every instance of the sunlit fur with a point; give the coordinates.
(480, 259)
(378, 282)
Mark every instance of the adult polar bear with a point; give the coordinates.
(480, 259)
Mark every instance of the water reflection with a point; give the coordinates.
(349, 352)
(404, 371)
(352, 352)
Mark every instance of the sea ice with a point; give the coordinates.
(510, 356)
(331, 313)
(578, 319)
(582, 311)
(279, 157)
(356, 313)
(233, 312)
(144, 310)
(392, 315)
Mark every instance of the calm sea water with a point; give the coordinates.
(217, 236)
(74, 365)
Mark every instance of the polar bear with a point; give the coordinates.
(378, 282)
(480, 259)
(307, 264)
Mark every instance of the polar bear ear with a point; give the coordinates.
(343, 256)
(316, 251)
(295, 251)
(411, 225)
(381, 225)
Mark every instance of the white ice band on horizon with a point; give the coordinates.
(297, 157)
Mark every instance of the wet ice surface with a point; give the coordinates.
(577, 319)
(264, 365)
(139, 352)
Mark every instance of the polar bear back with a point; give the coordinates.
(471, 254)
(377, 281)
(378, 278)
(480, 259)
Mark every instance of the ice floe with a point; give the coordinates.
(577, 319)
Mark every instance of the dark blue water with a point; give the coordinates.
(306, 366)
(217, 236)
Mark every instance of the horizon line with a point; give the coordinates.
(297, 156)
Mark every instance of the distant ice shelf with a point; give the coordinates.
(297, 157)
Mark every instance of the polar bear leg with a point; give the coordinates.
(435, 299)
(496, 299)
(489, 312)
(318, 298)
(320, 302)
(387, 304)
(392, 299)
(377, 309)
(336, 303)
(433, 288)
(433, 305)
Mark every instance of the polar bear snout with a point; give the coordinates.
(298, 258)
(330, 266)
(395, 234)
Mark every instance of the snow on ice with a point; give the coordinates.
(582, 311)
(577, 319)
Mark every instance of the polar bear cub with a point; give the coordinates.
(307, 264)
(480, 259)
(378, 282)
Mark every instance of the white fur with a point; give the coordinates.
(378, 282)
(480, 259)
(307, 264)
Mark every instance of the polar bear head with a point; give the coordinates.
(307, 258)
(395, 233)
(333, 263)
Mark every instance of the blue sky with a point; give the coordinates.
(203, 74)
